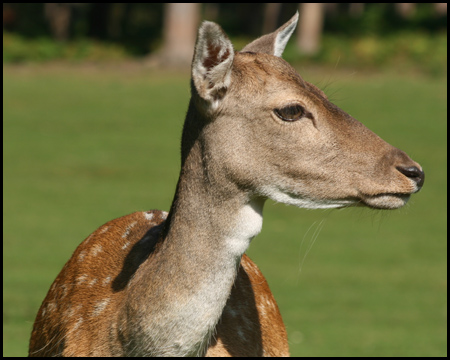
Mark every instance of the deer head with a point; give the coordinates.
(274, 134)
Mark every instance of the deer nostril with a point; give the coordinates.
(414, 173)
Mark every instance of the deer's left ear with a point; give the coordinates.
(211, 66)
(274, 43)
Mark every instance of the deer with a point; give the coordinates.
(154, 283)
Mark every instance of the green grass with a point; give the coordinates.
(85, 145)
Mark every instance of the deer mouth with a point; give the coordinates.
(385, 201)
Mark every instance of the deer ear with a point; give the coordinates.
(274, 43)
(211, 66)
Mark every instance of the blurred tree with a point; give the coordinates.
(356, 9)
(271, 13)
(405, 10)
(58, 16)
(441, 8)
(310, 27)
(141, 28)
(179, 33)
(9, 16)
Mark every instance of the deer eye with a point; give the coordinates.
(290, 112)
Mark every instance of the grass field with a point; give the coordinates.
(85, 145)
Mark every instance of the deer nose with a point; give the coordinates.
(414, 173)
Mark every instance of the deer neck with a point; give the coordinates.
(205, 217)
(210, 210)
(210, 225)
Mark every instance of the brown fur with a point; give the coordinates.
(73, 297)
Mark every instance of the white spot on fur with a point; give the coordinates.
(107, 280)
(64, 290)
(262, 309)
(51, 306)
(96, 249)
(89, 238)
(81, 256)
(69, 313)
(129, 227)
(104, 230)
(77, 324)
(100, 306)
(148, 216)
(81, 279)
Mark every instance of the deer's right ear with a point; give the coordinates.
(211, 66)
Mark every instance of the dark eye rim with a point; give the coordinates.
(290, 113)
